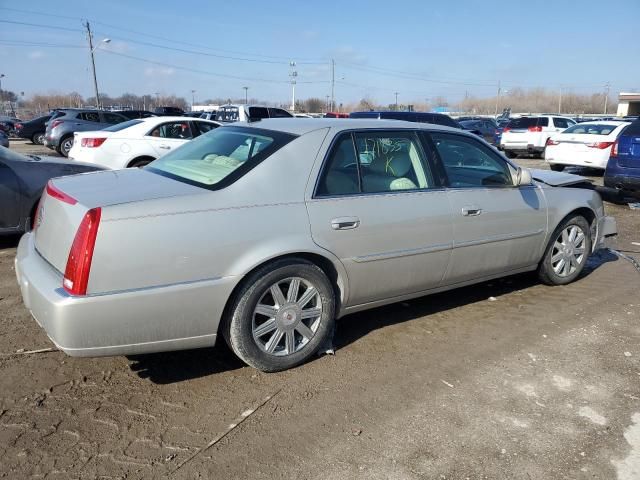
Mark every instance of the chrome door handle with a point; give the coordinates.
(471, 211)
(165, 147)
(345, 223)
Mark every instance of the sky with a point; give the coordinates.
(418, 48)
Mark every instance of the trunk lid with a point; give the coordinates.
(66, 200)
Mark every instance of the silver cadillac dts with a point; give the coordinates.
(265, 233)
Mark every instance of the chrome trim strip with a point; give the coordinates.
(63, 293)
(498, 238)
(403, 253)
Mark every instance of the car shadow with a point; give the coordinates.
(172, 367)
(9, 241)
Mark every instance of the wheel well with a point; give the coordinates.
(137, 159)
(318, 260)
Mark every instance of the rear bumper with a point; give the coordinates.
(596, 159)
(521, 148)
(623, 183)
(174, 317)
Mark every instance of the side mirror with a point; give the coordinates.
(523, 177)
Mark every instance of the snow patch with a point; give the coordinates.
(629, 468)
(562, 383)
(592, 415)
(528, 390)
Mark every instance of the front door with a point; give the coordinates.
(9, 198)
(378, 208)
(498, 227)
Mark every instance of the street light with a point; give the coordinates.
(193, 92)
(293, 74)
(246, 93)
(104, 40)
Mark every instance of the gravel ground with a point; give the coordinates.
(507, 379)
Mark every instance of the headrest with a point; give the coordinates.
(396, 164)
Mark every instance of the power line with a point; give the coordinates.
(204, 72)
(54, 27)
(18, 43)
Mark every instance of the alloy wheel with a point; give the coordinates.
(568, 251)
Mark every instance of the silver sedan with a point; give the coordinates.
(267, 232)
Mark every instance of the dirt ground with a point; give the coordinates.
(504, 380)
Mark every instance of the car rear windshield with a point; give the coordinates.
(121, 126)
(220, 157)
(228, 114)
(591, 129)
(633, 129)
(526, 122)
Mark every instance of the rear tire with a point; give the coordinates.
(38, 138)
(510, 154)
(65, 146)
(281, 315)
(555, 167)
(567, 252)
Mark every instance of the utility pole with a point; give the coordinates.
(193, 96)
(560, 101)
(1, 92)
(497, 98)
(326, 105)
(93, 63)
(246, 95)
(396, 94)
(606, 96)
(157, 94)
(333, 83)
(293, 74)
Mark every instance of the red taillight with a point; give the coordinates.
(18, 126)
(600, 145)
(76, 275)
(535, 129)
(92, 142)
(614, 149)
(55, 123)
(36, 215)
(59, 194)
(506, 129)
(552, 142)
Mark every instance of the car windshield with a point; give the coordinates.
(121, 126)
(526, 122)
(591, 129)
(220, 157)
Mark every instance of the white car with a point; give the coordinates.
(137, 142)
(584, 144)
(530, 134)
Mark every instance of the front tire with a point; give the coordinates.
(567, 252)
(281, 315)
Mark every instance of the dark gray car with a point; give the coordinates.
(22, 180)
(60, 129)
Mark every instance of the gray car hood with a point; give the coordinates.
(557, 179)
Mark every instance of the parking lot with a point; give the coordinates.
(507, 379)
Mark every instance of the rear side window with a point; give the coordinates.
(89, 116)
(633, 129)
(204, 127)
(377, 162)
(279, 113)
(112, 118)
(177, 130)
(258, 113)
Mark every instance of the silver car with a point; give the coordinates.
(265, 233)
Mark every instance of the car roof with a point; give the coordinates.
(297, 126)
(173, 118)
(604, 122)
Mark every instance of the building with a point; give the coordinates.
(628, 104)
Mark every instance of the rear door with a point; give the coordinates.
(379, 209)
(497, 227)
(169, 135)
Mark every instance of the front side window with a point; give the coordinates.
(375, 162)
(177, 130)
(221, 157)
(469, 163)
(560, 122)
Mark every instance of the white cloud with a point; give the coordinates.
(36, 54)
